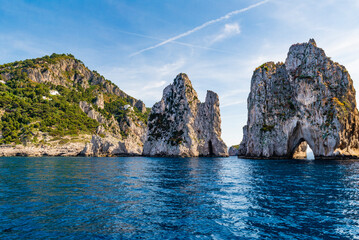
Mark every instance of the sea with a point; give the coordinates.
(177, 198)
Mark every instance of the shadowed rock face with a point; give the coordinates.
(309, 98)
(180, 125)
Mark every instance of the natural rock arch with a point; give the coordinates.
(308, 98)
(297, 138)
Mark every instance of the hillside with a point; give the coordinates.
(51, 101)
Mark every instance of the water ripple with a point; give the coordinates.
(178, 198)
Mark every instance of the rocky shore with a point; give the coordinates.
(56, 106)
(309, 100)
(70, 149)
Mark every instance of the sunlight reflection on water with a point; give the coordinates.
(185, 198)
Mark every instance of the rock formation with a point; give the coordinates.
(100, 101)
(68, 72)
(309, 99)
(180, 125)
(53, 149)
(233, 150)
(108, 140)
(60, 82)
(140, 106)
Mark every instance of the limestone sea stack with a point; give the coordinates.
(180, 125)
(309, 99)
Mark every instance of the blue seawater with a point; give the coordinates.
(178, 198)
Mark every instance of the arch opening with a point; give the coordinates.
(303, 151)
(299, 142)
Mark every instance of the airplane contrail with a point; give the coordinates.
(227, 16)
(179, 43)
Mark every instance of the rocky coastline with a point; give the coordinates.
(309, 100)
(68, 150)
(114, 123)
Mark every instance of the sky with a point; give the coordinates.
(141, 45)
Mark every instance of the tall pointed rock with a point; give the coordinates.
(180, 125)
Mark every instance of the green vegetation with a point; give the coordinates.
(261, 66)
(27, 107)
(265, 66)
(161, 125)
(143, 117)
(37, 62)
(25, 110)
(343, 107)
(176, 138)
(116, 107)
(267, 128)
(336, 100)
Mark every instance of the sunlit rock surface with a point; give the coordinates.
(115, 135)
(108, 140)
(180, 125)
(308, 98)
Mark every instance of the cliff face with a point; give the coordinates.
(46, 103)
(308, 99)
(180, 125)
(233, 150)
(109, 140)
(64, 70)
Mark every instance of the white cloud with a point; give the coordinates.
(176, 42)
(24, 45)
(229, 30)
(145, 82)
(230, 75)
(225, 17)
(342, 43)
(229, 104)
(153, 85)
(235, 96)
